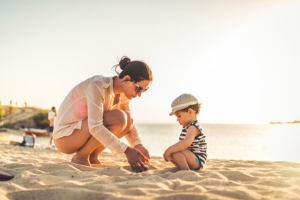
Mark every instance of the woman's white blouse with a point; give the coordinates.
(90, 99)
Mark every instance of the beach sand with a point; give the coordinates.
(48, 174)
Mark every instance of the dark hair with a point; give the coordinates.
(195, 107)
(137, 70)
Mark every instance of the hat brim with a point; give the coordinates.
(179, 107)
(182, 106)
(171, 113)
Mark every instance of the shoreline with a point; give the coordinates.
(47, 174)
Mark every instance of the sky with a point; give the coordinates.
(239, 58)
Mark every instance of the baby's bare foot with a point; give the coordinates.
(80, 160)
(94, 160)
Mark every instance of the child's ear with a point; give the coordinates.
(191, 111)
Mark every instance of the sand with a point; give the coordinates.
(48, 174)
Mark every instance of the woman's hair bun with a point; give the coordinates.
(123, 62)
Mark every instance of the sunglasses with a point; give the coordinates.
(138, 88)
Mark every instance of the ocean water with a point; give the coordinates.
(273, 142)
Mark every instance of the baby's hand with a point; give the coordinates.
(167, 156)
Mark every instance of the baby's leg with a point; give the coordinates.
(191, 159)
(179, 160)
(185, 160)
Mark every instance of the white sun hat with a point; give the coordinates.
(183, 101)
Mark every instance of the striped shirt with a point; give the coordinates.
(198, 146)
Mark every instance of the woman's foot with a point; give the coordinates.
(80, 160)
(94, 160)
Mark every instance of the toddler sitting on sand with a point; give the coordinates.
(190, 151)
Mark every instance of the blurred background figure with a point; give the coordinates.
(51, 118)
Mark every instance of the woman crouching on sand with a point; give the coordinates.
(95, 115)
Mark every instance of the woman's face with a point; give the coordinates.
(134, 89)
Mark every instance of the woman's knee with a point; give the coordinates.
(129, 121)
(115, 118)
(111, 116)
(125, 121)
(122, 118)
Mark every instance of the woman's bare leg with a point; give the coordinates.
(84, 144)
(82, 155)
(108, 122)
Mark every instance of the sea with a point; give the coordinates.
(269, 142)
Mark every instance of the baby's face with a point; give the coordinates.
(182, 117)
(185, 117)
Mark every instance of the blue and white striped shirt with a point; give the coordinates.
(198, 146)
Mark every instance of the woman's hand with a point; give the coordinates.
(144, 151)
(134, 158)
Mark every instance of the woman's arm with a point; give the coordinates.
(132, 136)
(95, 100)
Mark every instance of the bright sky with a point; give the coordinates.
(240, 58)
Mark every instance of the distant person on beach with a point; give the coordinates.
(95, 115)
(51, 118)
(189, 153)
